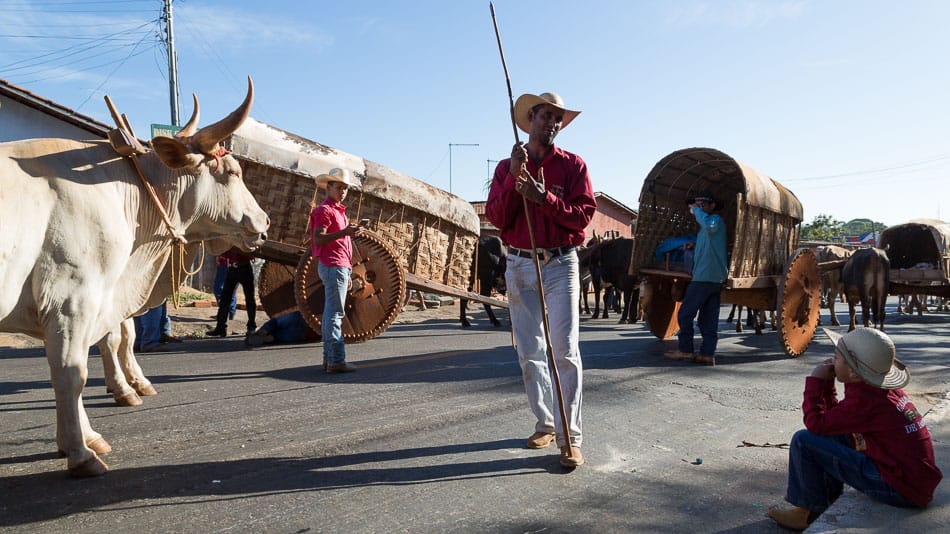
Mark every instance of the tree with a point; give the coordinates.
(823, 228)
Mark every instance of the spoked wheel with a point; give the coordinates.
(374, 298)
(276, 288)
(799, 301)
(663, 307)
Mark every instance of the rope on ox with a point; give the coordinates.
(124, 142)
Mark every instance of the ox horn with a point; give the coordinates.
(191, 126)
(207, 138)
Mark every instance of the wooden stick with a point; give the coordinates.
(555, 375)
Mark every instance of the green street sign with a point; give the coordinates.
(165, 130)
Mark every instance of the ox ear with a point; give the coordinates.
(172, 152)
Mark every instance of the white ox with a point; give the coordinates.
(124, 378)
(82, 246)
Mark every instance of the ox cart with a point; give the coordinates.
(767, 270)
(419, 237)
(919, 254)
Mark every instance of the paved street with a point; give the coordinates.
(428, 436)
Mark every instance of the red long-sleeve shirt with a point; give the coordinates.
(558, 221)
(884, 425)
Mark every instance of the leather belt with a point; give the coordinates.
(544, 253)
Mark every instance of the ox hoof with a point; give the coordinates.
(100, 446)
(129, 399)
(92, 467)
(146, 390)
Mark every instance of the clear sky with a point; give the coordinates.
(845, 102)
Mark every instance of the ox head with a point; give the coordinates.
(212, 202)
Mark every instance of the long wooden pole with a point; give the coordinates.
(555, 375)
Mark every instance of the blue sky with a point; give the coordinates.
(846, 102)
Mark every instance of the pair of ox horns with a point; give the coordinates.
(206, 139)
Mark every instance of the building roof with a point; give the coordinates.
(52, 108)
(600, 197)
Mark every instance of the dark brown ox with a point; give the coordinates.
(831, 286)
(866, 277)
(83, 246)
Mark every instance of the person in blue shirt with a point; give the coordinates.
(710, 268)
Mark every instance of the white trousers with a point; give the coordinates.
(561, 291)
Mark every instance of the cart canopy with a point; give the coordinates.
(762, 216)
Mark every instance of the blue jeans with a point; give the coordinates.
(702, 297)
(561, 293)
(819, 466)
(150, 326)
(335, 283)
(220, 276)
(287, 328)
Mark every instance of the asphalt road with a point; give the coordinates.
(427, 436)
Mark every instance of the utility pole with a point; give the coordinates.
(172, 63)
(450, 159)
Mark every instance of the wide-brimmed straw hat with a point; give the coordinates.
(337, 175)
(871, 354)
(526, 103)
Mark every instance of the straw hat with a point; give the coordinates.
(337, 175)
(871, 354)
(526, 103)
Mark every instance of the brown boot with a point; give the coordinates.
(571, 456)
(539, 440)
(792, 518)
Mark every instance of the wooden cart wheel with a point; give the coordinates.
(663, 307)
(276, 288)
(799, 301)
(376, 294)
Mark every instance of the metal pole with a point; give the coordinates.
(555, 374)
(172, 64)
(450, 159)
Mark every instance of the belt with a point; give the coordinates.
(542, 252)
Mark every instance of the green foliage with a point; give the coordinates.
(826, 228)
(862, 226)
(822, 228)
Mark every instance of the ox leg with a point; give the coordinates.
(759, 319)
(116, 384)
(739, 320)
(130, 366)
(491, 316)
(866, 310)
(75, 437)
(463, 312)
(831, 310)
(596, 301)
(852, 313)
(732, 313)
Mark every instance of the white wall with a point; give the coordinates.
(18, 121)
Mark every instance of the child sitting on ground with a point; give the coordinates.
(874, 439)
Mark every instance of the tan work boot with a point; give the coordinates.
(792, 518)
(571, 456)
(539, 440)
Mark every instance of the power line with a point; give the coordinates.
(933, 159)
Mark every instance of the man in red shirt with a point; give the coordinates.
(240, 271)
(874, 439)
(331, 245)
(561, 203)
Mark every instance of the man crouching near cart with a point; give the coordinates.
(561, 203)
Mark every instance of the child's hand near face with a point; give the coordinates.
(824, 370)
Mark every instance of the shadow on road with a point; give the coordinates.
(46, 496)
